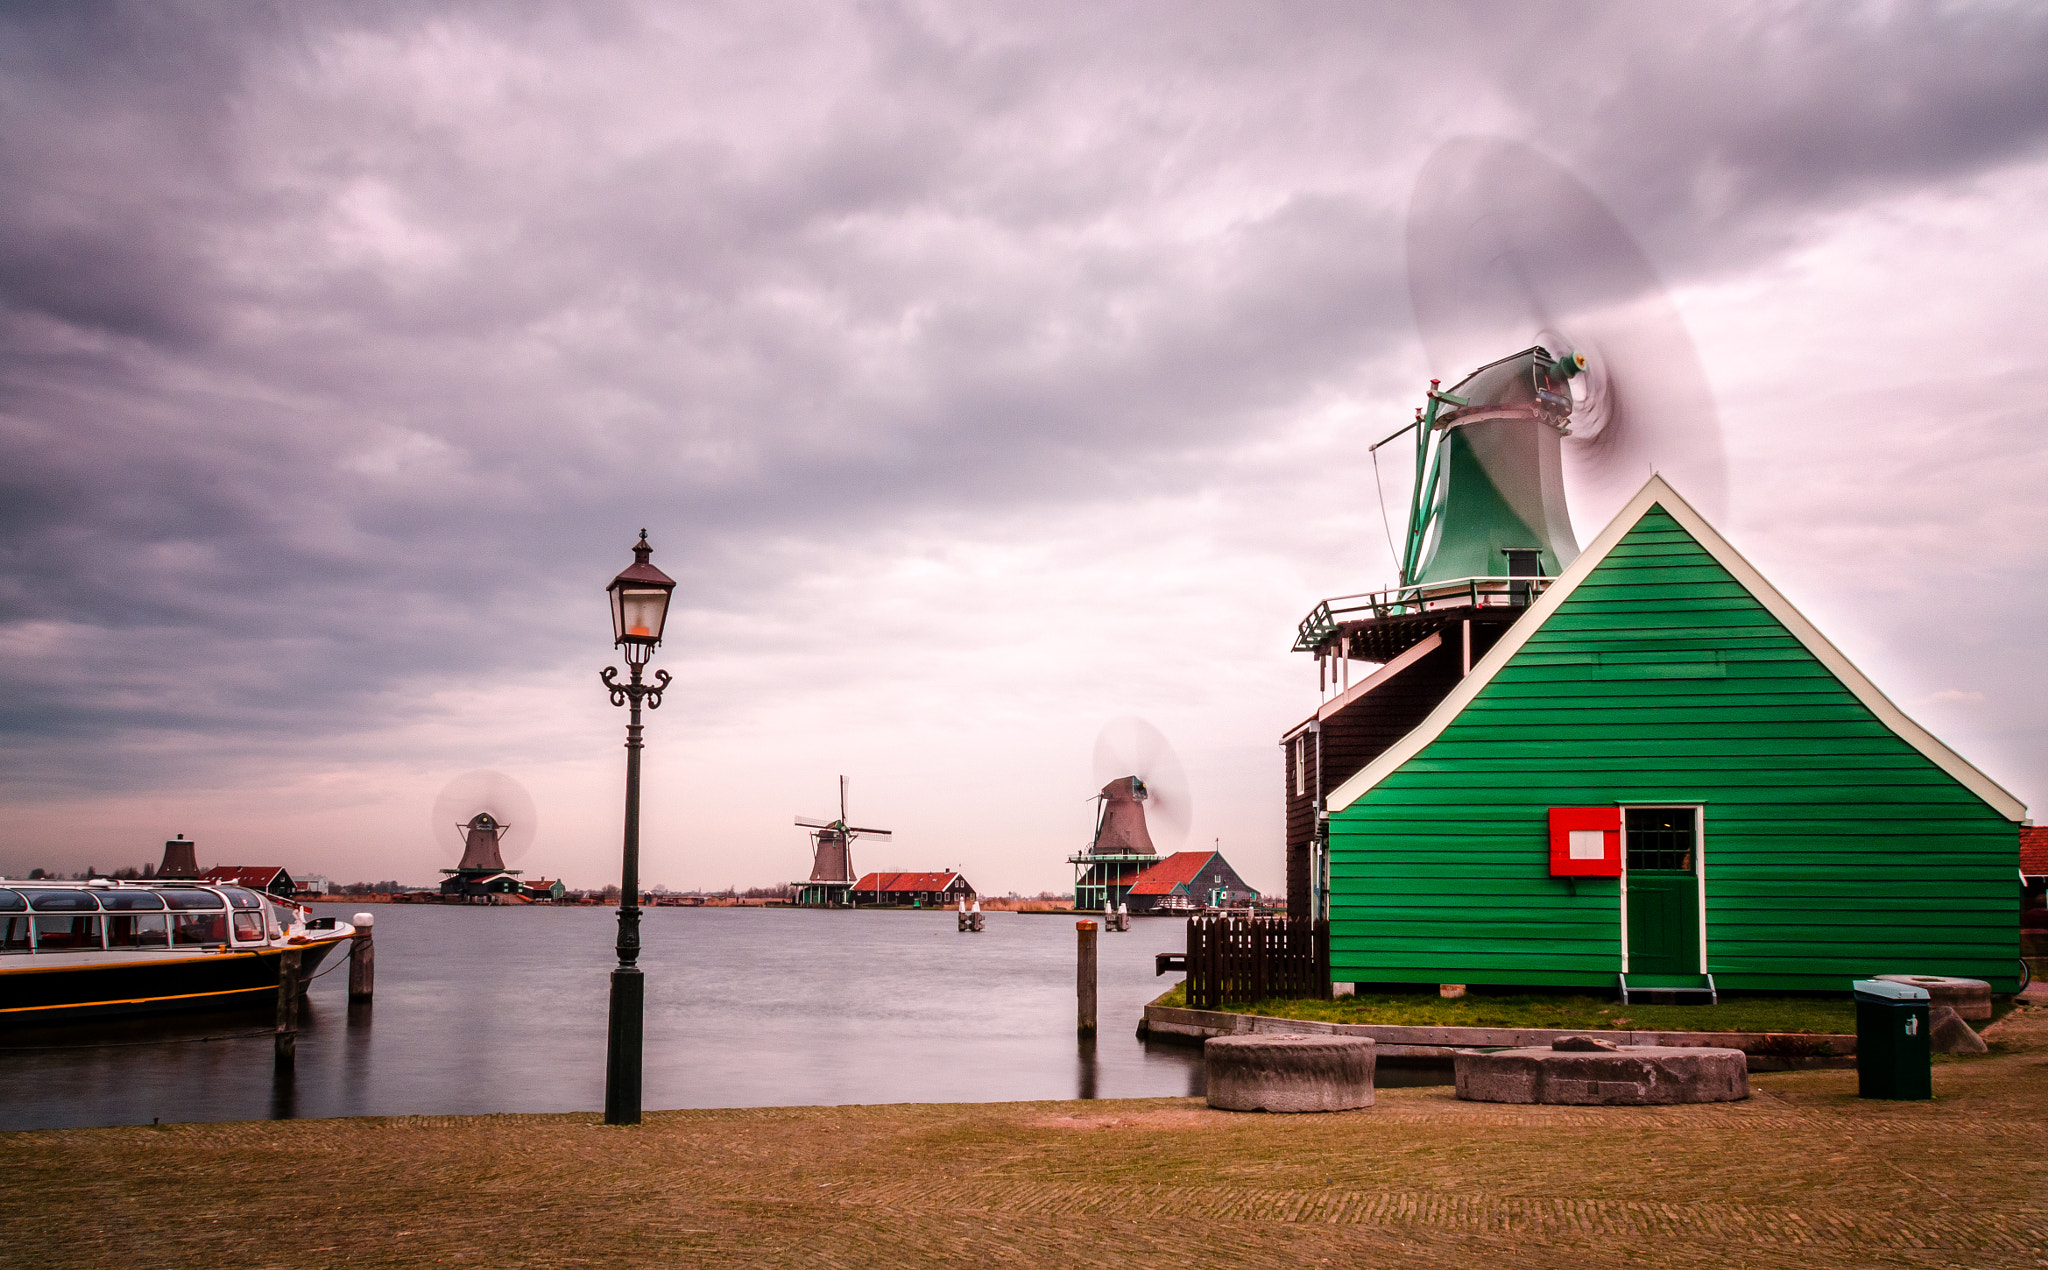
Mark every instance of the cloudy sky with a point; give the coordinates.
(983, 373)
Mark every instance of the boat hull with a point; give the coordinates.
(55, 988)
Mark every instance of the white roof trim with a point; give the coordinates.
(1355, 691)
(1656, 492)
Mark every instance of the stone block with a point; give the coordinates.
(1623, 1076)
(1948, 1033)
(1970, 998)
(1289, 1073)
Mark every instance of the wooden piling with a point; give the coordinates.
(362, 959)
(288, 990)
(1084, 976)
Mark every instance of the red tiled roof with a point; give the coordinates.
(886, 882)
(2034, 850)
(1178, 869)
(256, 875)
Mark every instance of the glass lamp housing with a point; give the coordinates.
(640, 598)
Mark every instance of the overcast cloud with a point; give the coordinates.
(981, 374)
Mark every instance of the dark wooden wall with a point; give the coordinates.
(1363, 730)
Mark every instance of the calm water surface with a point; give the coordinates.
(489, 1010)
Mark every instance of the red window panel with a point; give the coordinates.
(1585, 842)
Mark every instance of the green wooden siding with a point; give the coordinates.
(1833, 849)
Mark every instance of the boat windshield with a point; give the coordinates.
(282, 915)
(242, 899)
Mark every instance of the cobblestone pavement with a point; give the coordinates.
(1802, 1174)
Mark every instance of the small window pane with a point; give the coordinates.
(1660, 839)
(11, 902)
(139, 930)
(14, 933)
(248, 927)
(193, 929)
(67, 932)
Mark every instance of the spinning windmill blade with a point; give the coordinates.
(1130, 746)
(504, 799)
(1507, 250)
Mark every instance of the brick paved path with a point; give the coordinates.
(1803, 1174)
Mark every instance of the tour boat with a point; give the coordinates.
(72, 950)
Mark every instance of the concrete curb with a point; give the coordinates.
(1766, 1051)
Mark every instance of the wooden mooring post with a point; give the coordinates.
(1084, 977)
(362, 959)
(288, 989)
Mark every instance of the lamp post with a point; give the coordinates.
(639, 597)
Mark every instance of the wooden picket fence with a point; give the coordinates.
(1237, 960)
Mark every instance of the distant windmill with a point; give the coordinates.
(1148, 792)
(493, 817)
(832, 875)
(480, 844)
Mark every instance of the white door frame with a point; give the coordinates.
(1699, 866)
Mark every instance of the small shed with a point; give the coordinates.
(1656, 774)
(543, 889)
(1189, 881)
(930, 890)
(263, 877)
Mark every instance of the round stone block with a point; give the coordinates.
(1289, 1073)
(1970, 998)
(1620, 1076)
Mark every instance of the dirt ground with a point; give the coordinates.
(1803, 1174)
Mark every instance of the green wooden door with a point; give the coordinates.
(1663, 924)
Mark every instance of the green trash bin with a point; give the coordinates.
(1893, 1057)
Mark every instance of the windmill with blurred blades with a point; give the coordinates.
(1599, 390)
(1144, 798)
(832, 877)
(492, 819)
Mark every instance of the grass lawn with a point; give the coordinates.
(1834, 1013)
(1802, 1174)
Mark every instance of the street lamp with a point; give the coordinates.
(639, 597)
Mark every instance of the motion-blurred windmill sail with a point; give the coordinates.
(1507, 251)
(1576, 382)
(832, 876)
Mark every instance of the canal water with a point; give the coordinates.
(503, 1010)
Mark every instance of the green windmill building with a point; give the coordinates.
(1636, 766)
